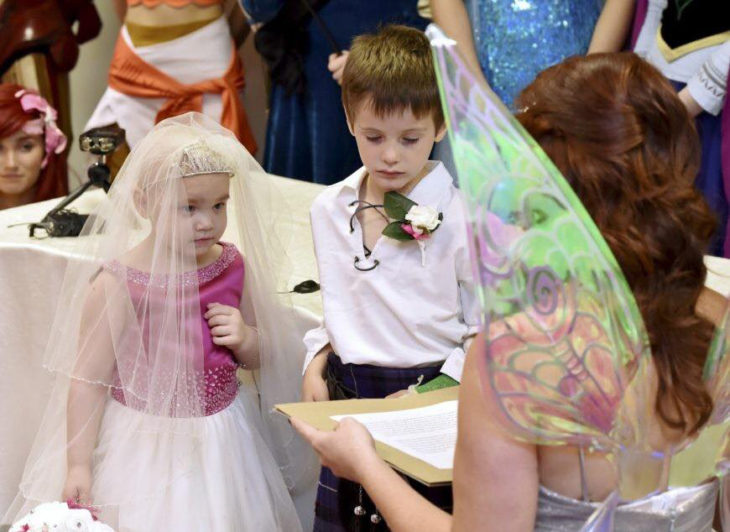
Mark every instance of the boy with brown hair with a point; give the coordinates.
(392, 253)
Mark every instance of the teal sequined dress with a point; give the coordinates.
(516, 39)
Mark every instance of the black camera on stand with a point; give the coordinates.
(60, 221)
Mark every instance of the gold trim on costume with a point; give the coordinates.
(424, 9)
(142, 35)
(671, 54)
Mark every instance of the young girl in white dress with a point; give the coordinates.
(147, 421)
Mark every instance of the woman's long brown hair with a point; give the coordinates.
(620, 135)
(53, 179)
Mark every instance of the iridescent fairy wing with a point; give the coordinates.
(717, 377)
(565, 334)
(717, 371)
(709, 454)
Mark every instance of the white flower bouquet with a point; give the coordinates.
(59, 517)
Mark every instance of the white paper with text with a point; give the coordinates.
(427, 433)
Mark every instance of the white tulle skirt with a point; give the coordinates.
(161, 479)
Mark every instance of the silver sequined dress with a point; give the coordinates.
(677, 510)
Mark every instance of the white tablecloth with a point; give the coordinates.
(31, 272)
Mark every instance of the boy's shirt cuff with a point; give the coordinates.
(315, 339)
(454, 364)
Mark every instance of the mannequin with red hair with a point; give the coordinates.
(32, 158)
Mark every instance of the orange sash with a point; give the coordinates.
(132, 76)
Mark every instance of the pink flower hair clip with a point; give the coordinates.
(55, 140)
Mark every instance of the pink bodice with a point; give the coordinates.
(219, 282)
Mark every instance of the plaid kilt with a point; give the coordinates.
(337, 498)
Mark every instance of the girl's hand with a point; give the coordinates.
(336, 65)
(227, 327)
(348, 451)
(78, 485)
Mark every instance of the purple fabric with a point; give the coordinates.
(219, 282)
(710, 180)
(639, 18)
(725, 148)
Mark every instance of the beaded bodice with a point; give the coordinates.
(220, 282)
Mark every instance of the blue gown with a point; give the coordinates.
(307, 136)
(516, 39)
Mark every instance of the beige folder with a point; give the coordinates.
(318, 415)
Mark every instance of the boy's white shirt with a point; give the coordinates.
(403, 313)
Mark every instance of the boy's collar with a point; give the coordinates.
(431, 189)
(354, 180)
(428, 191)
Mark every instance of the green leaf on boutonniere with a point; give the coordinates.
(441, 219)
(397, 206)
(395, 231)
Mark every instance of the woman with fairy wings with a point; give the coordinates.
(147, 420)
(592, 371)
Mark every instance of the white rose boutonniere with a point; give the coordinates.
(423, 220)
(410, 220)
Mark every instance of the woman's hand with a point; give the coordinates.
(336, 65)
(78, 485)
(348, 451)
